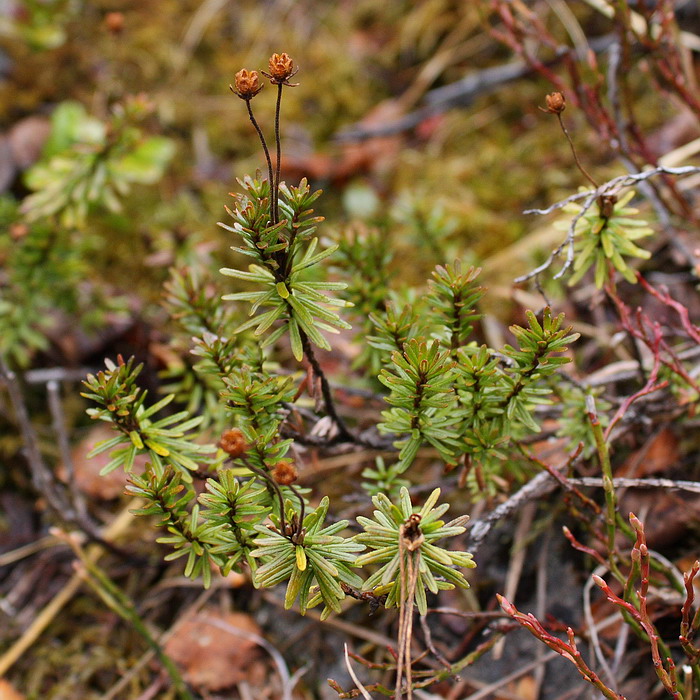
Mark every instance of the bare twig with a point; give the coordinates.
(42, 478)
(43, 375)
(56, 408)
(616, 183)
(567, 243)
(479, 529)
(427, 635)
(670, 484)
(591, 626)
(343, 435)
(517, 560)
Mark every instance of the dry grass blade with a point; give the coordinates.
(355, 679)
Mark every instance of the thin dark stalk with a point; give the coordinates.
(280, 496)
(343, 432)
(270, 172)
(269, 480)
(573, 150)
(276, 184)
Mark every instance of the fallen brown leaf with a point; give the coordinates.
(7, 692)
(87, 470)
(210, 658)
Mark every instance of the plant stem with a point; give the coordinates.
(269, 480)
(270, 173)
(573, 150)
(276, 185)
(608, 487)
(343, 432)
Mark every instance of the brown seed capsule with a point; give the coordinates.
(114, 22)
(281, 69)
(247, 84)
(284, 473)
(281, 66)
(233, 443)
(556, 103)
(18, 231)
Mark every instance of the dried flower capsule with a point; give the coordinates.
(556, 103)
(114, 22)
(247, 84)
(233, 443)
(281, 69)
(284, 473)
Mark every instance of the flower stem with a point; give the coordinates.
(573, 150)
(276, 184)
(343, 432)
(270, 172)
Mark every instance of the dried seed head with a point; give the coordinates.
(18, 231)
(233, 443)
(284, 473)
(247, 84)
(114, 21)
(411, 534)
(281, 69)
(281, 66)
(556, 103)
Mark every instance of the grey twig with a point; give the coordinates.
(56, 374)
(544, 483)
(538, 486)
(429, 642)
(616, 183)
(567, 243)
(671, 484)
(42, 478)
(354, 677)
(53, 391)
(593, 630)
(461, 93)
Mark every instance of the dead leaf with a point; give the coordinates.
(87, 470)
(666, 514)
(658, 453)
(526, 688)
(211, 658)
(7, 692)
(27, 138)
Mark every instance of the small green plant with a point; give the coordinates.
(88, 163)
(604, 235)
(433, 565)
(465, 401)
(46, 275)
(597, 235)
(304, 553)
(164, 441)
